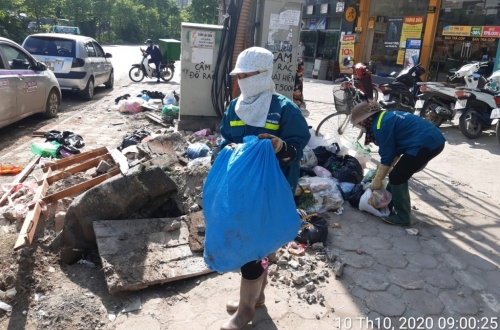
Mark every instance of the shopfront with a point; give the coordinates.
(390, 24)
(467, 31)
(324, 22)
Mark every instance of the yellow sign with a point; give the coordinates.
(346, 51)
(412, 29)
(401, 57)
(350, 14)
(460, 31)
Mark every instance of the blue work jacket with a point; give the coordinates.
(155, 53)
(284, 120)
(399, 132)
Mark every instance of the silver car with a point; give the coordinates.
(78, 62)
(26, 86)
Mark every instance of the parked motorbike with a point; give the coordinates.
(362, 81)
(436, 103)
(495, 116)
(139, 71)
(404, 88)
(474, 107)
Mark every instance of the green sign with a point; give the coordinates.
(476, 31)
(66, 29)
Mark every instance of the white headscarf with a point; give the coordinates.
(252, 107)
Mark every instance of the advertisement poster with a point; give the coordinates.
(401, 57)
(457, 31)
(346, 50)
(393, 32)
(412, 29)
(411, 57)
(317, 23)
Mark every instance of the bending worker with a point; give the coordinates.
(406, 142)
(262, 112)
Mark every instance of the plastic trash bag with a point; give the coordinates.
(346, 188)
(131, 105)
(316, 230)
(325, 192)
(365, 206)
(322, 172)
(380, 198)
(248, 206)
(199, 161)
(170, 112)
(309, 158)
(197, 150)
(355, 195)
(45, 149)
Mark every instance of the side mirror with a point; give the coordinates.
(108, 55)
(41, 66)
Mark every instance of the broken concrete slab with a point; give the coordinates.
(168, 144)
(114, 199)
(196, 239)
(138, 253)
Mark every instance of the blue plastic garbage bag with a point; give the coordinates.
(248, 206)
(197, 150)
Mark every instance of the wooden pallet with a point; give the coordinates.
(55, 172)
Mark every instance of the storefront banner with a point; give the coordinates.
(411, 57)
(413, 43)
(476, 31)
(460, 31)
(491, 31)
(346, 50)
(412, 29)
(317, 23)
(393, 32)
(401, 57)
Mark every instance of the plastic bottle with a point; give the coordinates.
(169, 98)
(10, 169)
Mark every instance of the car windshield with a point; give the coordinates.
(50, 46)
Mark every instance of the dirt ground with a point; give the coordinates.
(458, 195)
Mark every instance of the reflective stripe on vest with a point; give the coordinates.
(379, 122)
(269, 126)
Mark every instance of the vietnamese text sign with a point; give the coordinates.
(401, 57)
(393, 32)
(454, 30)
(346, 50)
(412, 29)
(290, 17)
(491, 31)
(411, 57)
(472, 31)
(202, 39)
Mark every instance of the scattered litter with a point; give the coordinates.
(412, 231)
(118, 123)
(86, 263)
(38, 295)
(133, 306)
(6, 307)
(358, 251)
(414, 207)
(11, 293)
(337, 225)
(111, 317)
(296, 249)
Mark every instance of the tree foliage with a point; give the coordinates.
(107, 20)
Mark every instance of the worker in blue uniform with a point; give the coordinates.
(261, 111)
(156, 57)
(406, 144)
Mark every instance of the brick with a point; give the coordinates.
(370, 280)
(406, 279)
(390, 258)
(422, 260)
(385, 304)
(423, 302)
(461, 305)
(439, 279)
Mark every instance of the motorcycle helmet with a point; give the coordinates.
(360, 70)
(149, 41)
(419, 71)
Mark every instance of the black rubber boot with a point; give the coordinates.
(402, 205)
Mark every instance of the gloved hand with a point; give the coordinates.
(276, 141)
(379, 176)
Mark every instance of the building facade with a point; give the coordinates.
(444, 34)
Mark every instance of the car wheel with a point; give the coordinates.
(111, 81)
(52, 104)
(88, 92)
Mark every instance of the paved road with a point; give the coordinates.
(451, 269)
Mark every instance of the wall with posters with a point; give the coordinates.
(346, 51)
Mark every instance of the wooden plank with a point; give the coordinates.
(75, 159)
(156, 119)
(139, 253)
(80, 187)
(119, 159)
(20, 178)
(31, 221)
(78, 168)
(38, 134)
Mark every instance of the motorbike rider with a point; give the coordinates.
(364, 76)
(406, 144)
(156, 56)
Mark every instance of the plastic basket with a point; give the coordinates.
(343, 98)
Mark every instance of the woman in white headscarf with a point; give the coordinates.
(262, 112)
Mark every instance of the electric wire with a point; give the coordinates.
(221, 83)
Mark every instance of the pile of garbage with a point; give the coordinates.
(150, 100)
(333, 171)
(58, 144)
